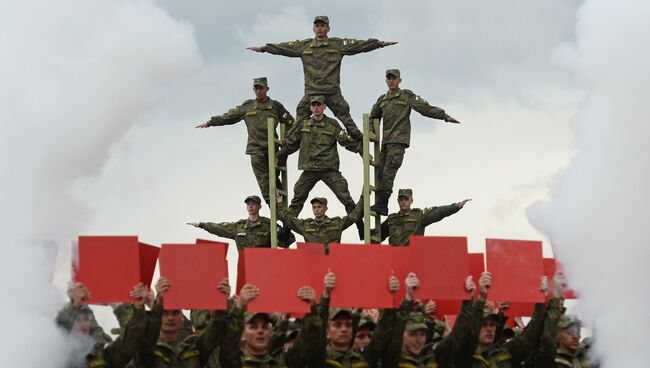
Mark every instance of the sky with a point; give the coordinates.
(99, 101)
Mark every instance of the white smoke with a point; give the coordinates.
(598, 215)
(76, 75)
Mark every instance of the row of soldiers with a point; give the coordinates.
(404, 337)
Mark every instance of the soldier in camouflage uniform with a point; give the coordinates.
(399, 226)
(253, 232)
(316, 137)
(255, 114)
(570, 353)
(321, 229)
(395, 109)
(321, 60)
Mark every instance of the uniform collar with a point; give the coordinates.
(319, 43)
(323, 221)
(263, 103)
(250, 223)
(321, 122)
(251, 358)
(395, 94)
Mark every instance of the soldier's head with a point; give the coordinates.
(568, 333)
(339, 329)
(172, 321)
(253, 204)
(489, 329)
(393, 79)
(319, 207)
(257, 333)
(364, 334)
(321, 26)
(261, 88)
(83, 321)
(317, 106)
(415, 334)
(405, 199)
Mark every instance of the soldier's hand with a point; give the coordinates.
(161, 287)
(79, 294)
(503, 305)
(278, 197)
(484, 283)
(452, 120)
(461, 204)
(430, 308)
(204, 125)
(470, 286)
(224, 286)
(195, 224)
(139, 293)
(307, 293)
(330, 284)
(388, 43)
(543, 285)
(393, 284)
(256, 49)
(248, 292)
(150, 298)
(412, 282)
(559, 284)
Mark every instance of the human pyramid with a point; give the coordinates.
(407, 335)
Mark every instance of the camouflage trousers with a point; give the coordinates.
(260, 164)
(392, 156)
(340, 108)
(308, 179)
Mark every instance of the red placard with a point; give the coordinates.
(312, 248)
(442, 265)
(517, 267)
(362, 273)
(278, 273)
(194, 273)
(148, 260)
(476, 268)
(447, 307)
(401, 269)
(519, 309)
(550, 265)
(241, 270)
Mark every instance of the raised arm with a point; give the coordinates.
(351, 46)
(422, 106)
(234, 115)
(437, 213)
(345, 140)
(290, 49)
(292, 145)
(310, 346)
(212, 337)
(354, 216)
(383, 345)
(223, 229)
(288, 219)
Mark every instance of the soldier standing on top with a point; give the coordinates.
(321, 60)
(255, 114)
(395, 108)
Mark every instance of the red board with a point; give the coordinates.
(148, 260)
(550, 265)
(520, 310)
(278, 273)
(194, 273)
(442, 265)
(447, 307)
(476, 267)
(312, 248)
(401, 269)
(241, 271)
(319, 265)
(517, 267)
(362, 273)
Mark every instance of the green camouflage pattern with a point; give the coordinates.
(339, 107)
(308, 179)
(260, 165)
(391, 158)
(399, 226)
(245, 233)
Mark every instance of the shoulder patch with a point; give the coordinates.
(420, 99)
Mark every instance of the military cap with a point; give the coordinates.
(333, 312)
(489, 312)
(408, 193)
(567, 321)
(253, 198)
(367, 322)
(317, 99)
(394, 72)
(248, 317)
(416, 321)
(322, 18)
(261, 81)
(319, 200)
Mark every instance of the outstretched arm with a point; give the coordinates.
(422, 106)
(290, 49)
(223, 229)
(352, 46)
(234, 115)
(435, 214)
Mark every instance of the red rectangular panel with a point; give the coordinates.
(519, 309)
(278, 273)
(241, 271)
(148, 259)
(447, 307)
(109, 266)
(442, 265)
(476, 267)
(194, 273)
(550, 265)
(362, 273)
(517, 267)
(313, 248)
(401, 269)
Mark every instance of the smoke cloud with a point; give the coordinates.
(76, 75)
(597, 216)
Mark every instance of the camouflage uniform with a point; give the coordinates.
(321, 61)
(326, 230)
(400, 225)
(319, 159)
(255, 114)
(395, 109)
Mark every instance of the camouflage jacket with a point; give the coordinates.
(564, 359)
(395, 109)
(321, 60)
(255, 114)
(245, 233)
(325, 231)
(400, 225)
(317, 143)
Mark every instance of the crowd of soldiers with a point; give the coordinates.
(407, 336)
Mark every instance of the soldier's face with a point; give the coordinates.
(319, 209)
(321, 29)
(392, 82)
(82, 323)
(260, 92)
(569, 339)
(362, 338)
(317, 109)
(171, 321)
(257, 335)
(252, 207)
(339, 332)
(487, 333)
(413, 341)
(405, 203)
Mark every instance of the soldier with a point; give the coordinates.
(321, 229)
(253, 232)
(399, 226)
(395, 108)
(321, 60)
(316, 137)
(255, 114)
(363, 334)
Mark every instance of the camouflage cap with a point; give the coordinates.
(248, 317)
(260, 81)
(489, 312)
(319, 200)
(416, 321)
(333, 312)
(394, 72)
(567, 321)
(322, 18)
(366, 322)
(317, 99)
(253, 198)
(408, 193)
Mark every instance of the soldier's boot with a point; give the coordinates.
(360, 229)
(381, 203)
